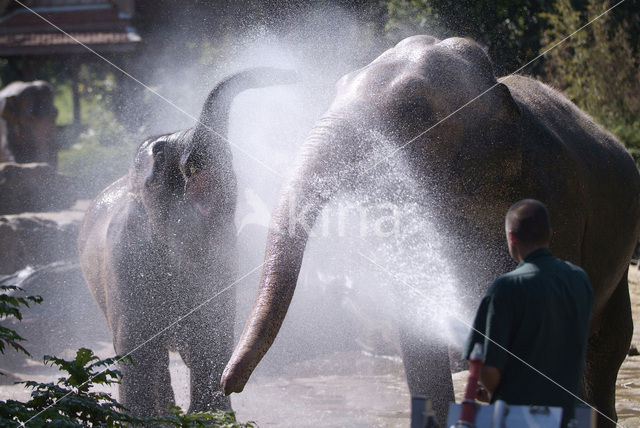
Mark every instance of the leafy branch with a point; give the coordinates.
(10, 308)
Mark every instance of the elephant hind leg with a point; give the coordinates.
(426, 365)
(606, 350)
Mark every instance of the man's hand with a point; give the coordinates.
(490, 378)
(483, 395)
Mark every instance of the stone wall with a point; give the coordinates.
(34, 239)
(31, 187)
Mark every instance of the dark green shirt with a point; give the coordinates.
(540, 312)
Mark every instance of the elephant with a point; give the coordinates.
(474, 144)
(158, 251)
(28, 123)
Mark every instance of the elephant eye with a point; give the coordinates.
(158, 148)
(196, 163)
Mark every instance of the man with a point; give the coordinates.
(540, 313)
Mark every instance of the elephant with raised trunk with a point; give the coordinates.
(517, 139)
(158, 251)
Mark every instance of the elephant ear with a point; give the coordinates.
(7, 108)
(505, 109)
(492, 157)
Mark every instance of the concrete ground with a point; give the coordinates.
(353, 389)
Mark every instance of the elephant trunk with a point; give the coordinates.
(209, 142)
(215, 113)
(320, 174)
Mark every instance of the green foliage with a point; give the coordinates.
(103, 151)
(629, 134)
(70, 401)
(405, 17)
(63, 100)
(75, 404)
(219, 418)
(96, 84)
(94, 165)
(10, 308)
(598, 68)
(510, 29)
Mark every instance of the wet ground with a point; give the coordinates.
(353, 389)
(325, 392)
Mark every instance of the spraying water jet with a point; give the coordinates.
(513, 143)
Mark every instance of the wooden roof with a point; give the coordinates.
(98, 24)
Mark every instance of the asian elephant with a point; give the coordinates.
(159, 243)
(519, 139)
(28, 123)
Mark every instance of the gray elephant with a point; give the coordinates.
(28, 123)
(161, 242)
(520, 139)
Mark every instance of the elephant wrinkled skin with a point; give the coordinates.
(161, 242)
(521, 139)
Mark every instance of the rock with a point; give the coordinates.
(34, 187)
(28, 129)
(38, 238)
(68, 318)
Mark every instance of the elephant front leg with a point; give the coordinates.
(206, 392)
(206, 353)
(426, 365)
(145, 389)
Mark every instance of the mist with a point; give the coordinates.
(370, 264)
(343, 302)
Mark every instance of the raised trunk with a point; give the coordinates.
(321, 173)
(215, 113)
(209, 149)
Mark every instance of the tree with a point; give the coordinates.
(10, 305)
(511, 30)
(598, 68)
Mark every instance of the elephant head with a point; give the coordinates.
(407, 90)
(186, 179)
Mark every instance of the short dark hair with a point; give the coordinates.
(528, 220)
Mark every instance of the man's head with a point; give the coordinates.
(527, 227)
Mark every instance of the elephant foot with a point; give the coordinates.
(426, 365)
